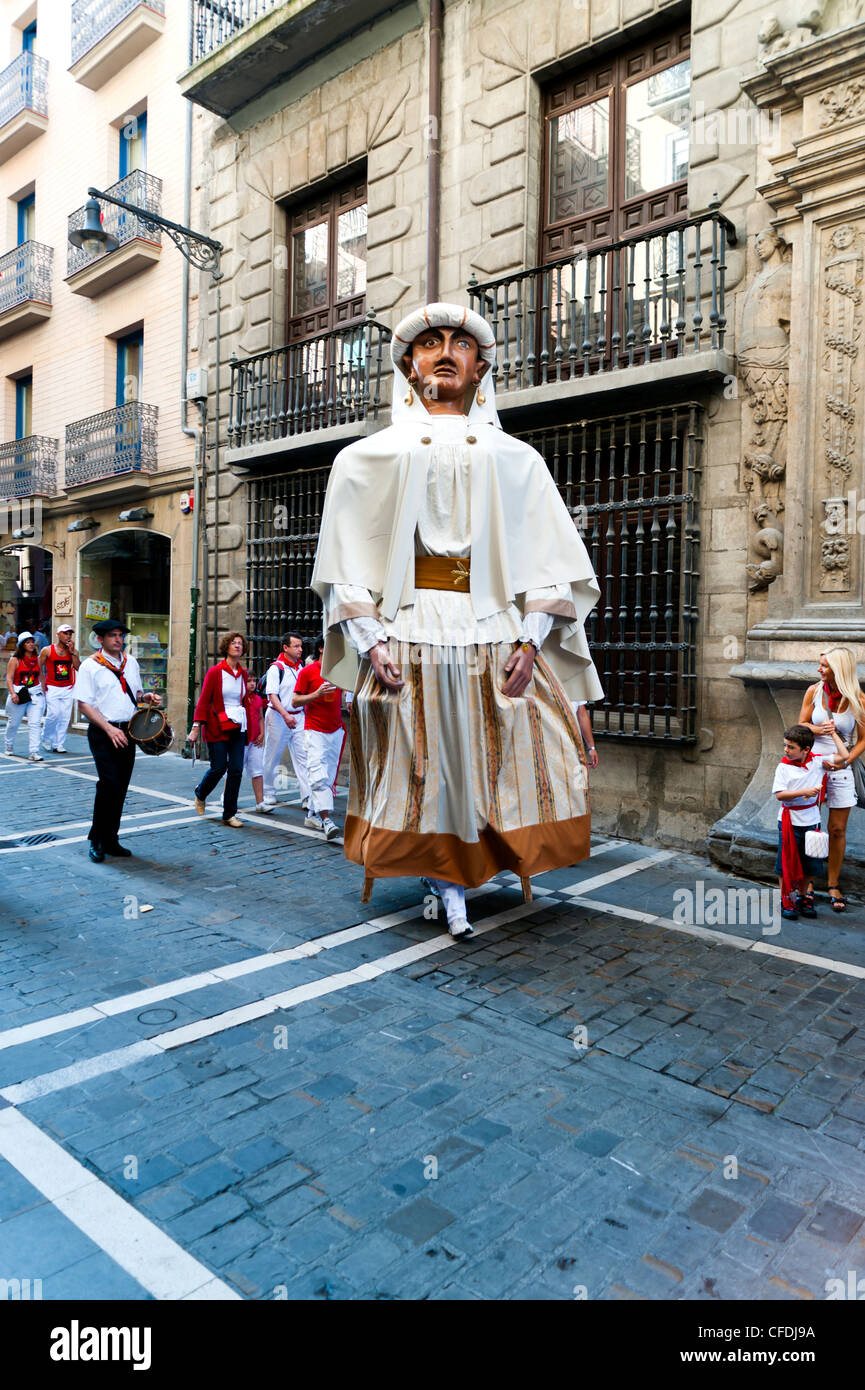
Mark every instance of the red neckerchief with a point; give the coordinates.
(118, 672)
(283, 663)
(792, 874)
(224, 666)
(832, 701)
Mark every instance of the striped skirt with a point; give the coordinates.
(452, 779)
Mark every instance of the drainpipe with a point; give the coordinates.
(434, 151)
(198, 435)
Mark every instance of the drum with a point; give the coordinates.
(151, 730)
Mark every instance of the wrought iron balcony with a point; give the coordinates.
(94, 20)
(25, 286)
(23, 102)
(122, 440)
(216, 21)
(138, 187)
(242, 47)
(649, 298)
(25, 273)
(332, 379)
(28, 467)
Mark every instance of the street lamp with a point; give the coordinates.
(203, 253)
(92, 237)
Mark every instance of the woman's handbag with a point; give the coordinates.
(226, 723)
(24, 696)
(816, 844)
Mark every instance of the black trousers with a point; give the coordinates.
(114, 766)
(227, 754)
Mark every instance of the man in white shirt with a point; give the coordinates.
(284, 725)
(108, 691)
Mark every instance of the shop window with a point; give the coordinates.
(617, 146)
(127, 575)
(27, 219)
(327, 271)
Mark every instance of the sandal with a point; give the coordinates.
(805, 904)
(839, 904)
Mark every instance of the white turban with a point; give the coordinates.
(441, 316)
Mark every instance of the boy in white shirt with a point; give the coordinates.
(799, 787)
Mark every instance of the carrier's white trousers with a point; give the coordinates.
(278, 736)
(57, 715)
(34, 709)
(322, 762)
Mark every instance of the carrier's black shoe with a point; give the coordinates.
(97, 853)
(118, 851)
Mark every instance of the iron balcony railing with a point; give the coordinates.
(25, 274)
(138, 187)
(332, 379)
(632, 483)
(122, 440)
(647, 298)
(24, 87)
(214, 22)
(28, 467)
(93, 19)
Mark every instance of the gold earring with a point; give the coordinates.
(480, 397)
(410, 397)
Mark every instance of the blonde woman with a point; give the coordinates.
(836, 703)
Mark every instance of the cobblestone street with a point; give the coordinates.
(221, 1076)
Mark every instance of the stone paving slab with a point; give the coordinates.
(436, 1132)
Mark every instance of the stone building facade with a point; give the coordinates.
(91, 412)
(684, 349)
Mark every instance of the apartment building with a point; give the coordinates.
(97, 446)
(659, 207)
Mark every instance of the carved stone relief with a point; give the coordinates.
(839, 387)
(764, 355)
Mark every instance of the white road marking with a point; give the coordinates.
(157, 1262)
(77, 824)
(61, 1079)
(251, 965)
(133, 786)
(623, 871)
(82, 839)
(741, 943)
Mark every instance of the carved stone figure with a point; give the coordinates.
(764, 356)
(839, 388)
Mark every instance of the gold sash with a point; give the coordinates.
(442, 572)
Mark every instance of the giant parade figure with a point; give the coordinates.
(455, 587)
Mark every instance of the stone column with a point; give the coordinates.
(808, 596)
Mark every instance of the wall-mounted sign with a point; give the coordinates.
(97, 608)
(63, 600)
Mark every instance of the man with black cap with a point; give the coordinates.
(108, 691)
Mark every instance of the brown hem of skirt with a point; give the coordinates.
(532, 849)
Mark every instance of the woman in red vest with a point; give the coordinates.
(22, 674)
(223, 712)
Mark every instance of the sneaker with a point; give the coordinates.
(789, 914)
(460, 927)
(805, 905)
(36, 758)
(234, 822)
(330, 828)
(264, 808)
(60, 750)
(268, 800)
(313, 822)
(200, 806)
